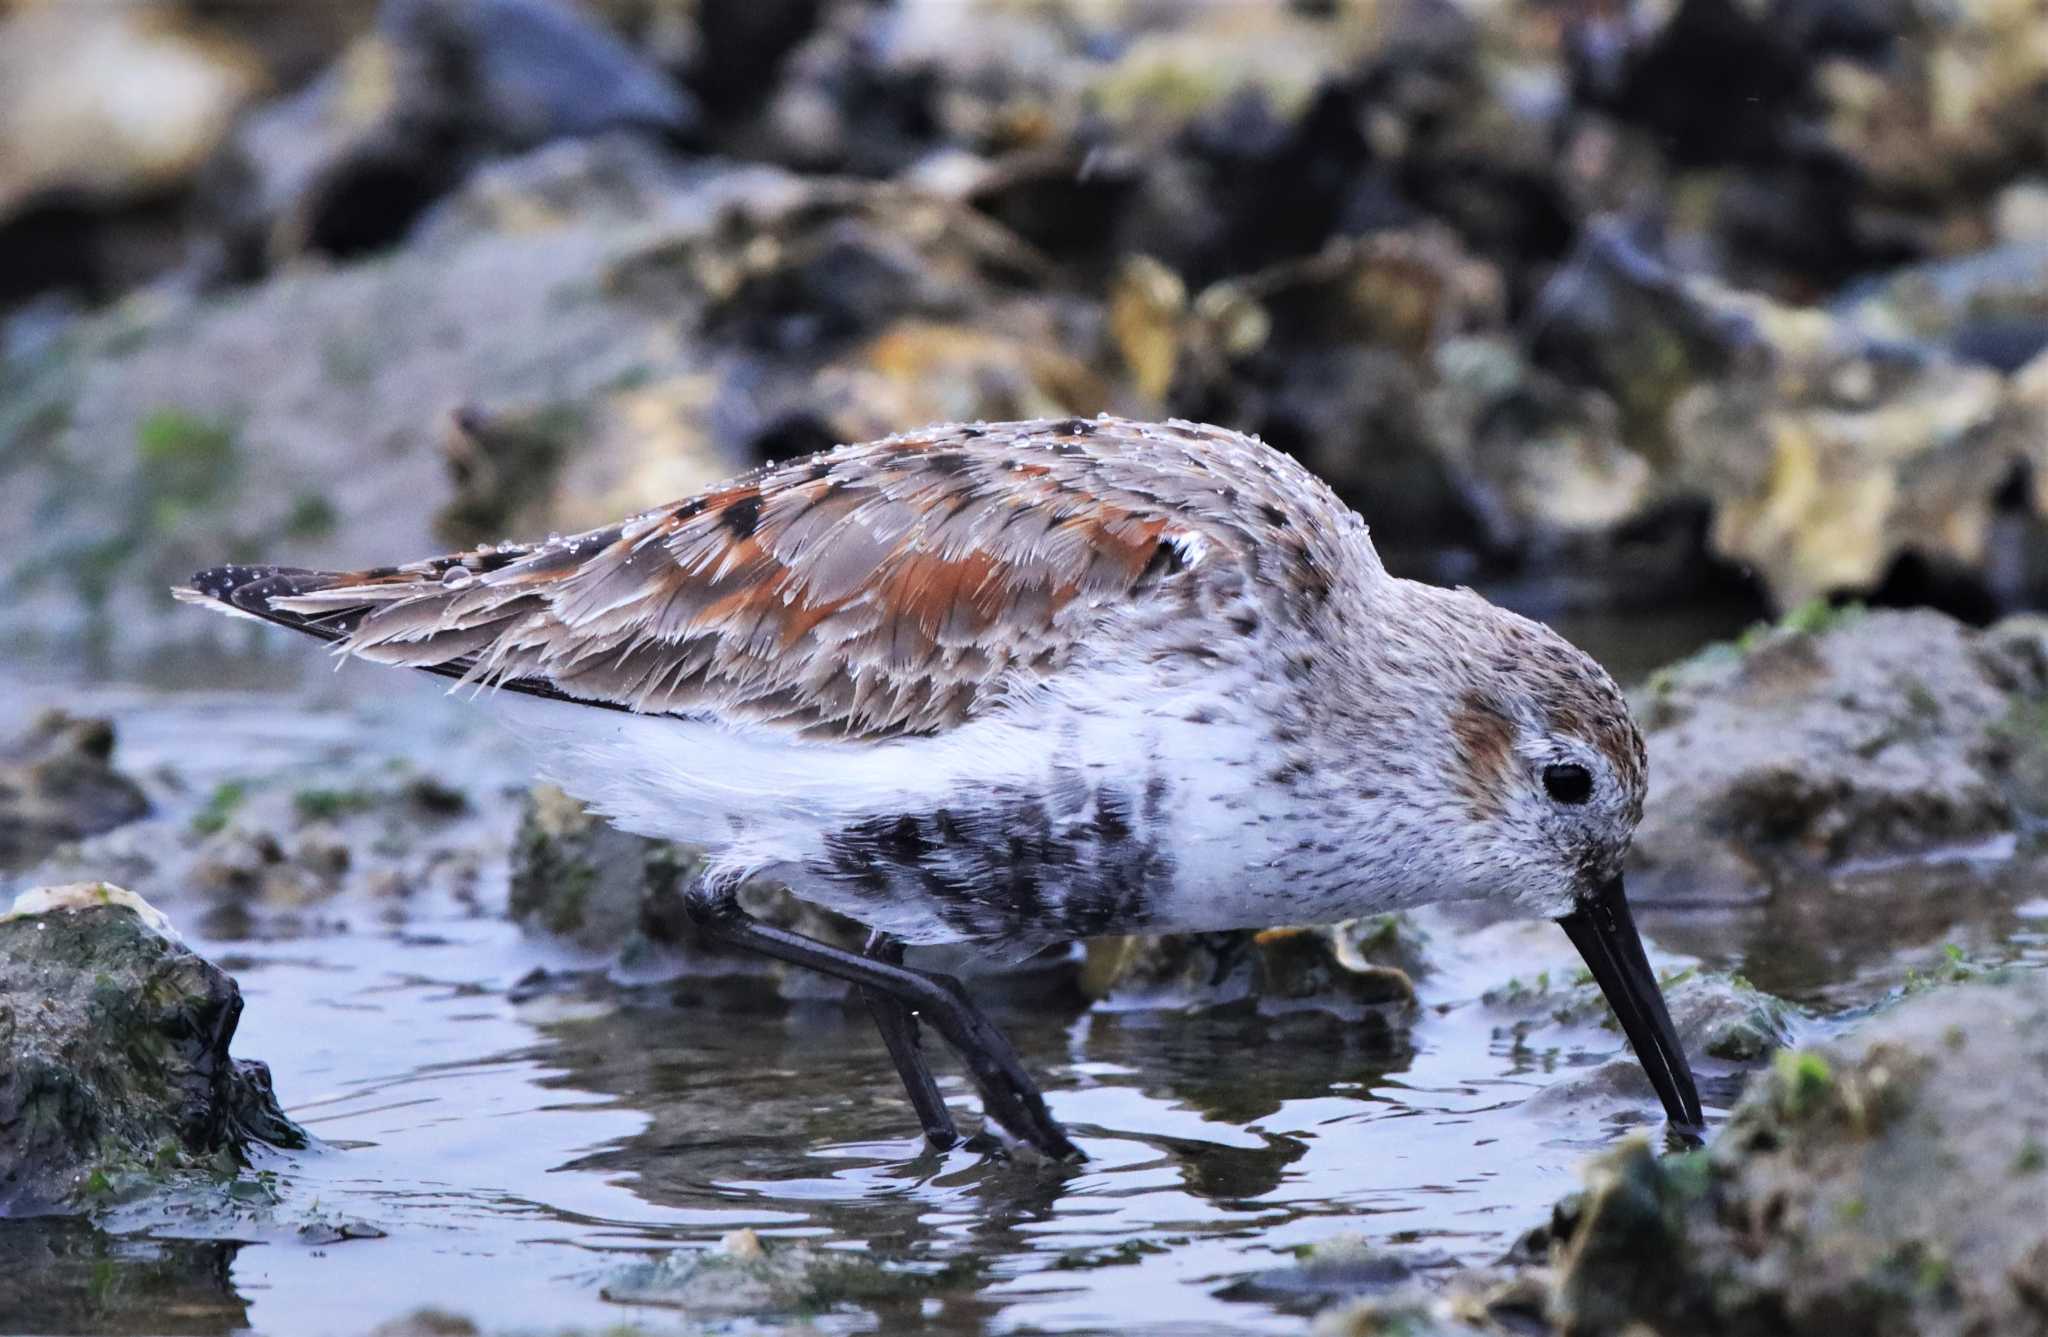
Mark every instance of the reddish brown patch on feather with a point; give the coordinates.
(928, 589)
(1486, 749)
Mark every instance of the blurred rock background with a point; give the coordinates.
(1616, 305)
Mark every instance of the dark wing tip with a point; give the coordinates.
(236, 588)
(247, 591)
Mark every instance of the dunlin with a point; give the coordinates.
(1014, 684)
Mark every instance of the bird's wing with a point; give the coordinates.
(888, 588)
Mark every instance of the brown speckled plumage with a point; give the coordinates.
(879, 589)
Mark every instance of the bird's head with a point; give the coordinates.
(1539, 771)
(1548, 763)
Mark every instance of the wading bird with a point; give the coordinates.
(1014, 684)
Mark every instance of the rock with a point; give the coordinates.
(347, 164)
(1989, 307)
(1535, 459)
(1474, 1302)
(577, 878)
(1893, 1181)
(57, 784)
(1838, 457)
(110, 103)
(841, 106)
(1332, 358)
(1357, 415)
(1719, 1015)
(1833, 738)
(1469, 1303)
(244, 866)
(320, 1232)
(1826, 449)
(207, 435)
(1798, 145)
(1362, 969)
(1273, 57)
(815, 268)
(1147, 304)
(919, 371)
(866, 92)
(427, 1323)
(1405, 290)
(115, 1077)
(505, 464)
(534, 70)
(1330, 1272)
(740, 45)
(842, 313)
(295, 45)
(286, 849)
(600, 181)
(292, 177)
(1543, 1008)
(2020, 213)
(1615, 317)
(1938, 116)
(745, 1276)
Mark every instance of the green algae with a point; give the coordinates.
(220, 806)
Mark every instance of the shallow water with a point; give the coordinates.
(511, 1157)
(514, 1147)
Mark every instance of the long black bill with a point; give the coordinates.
(1605, 933)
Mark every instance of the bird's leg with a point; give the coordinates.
(1007, 1092)
(898, 1026)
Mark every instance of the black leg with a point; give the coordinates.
(1008, 1094)
(899, 1031)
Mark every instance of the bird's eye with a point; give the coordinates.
(1568, 782)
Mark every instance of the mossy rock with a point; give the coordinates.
(1716, 1014)
(115, 1076)
(1892, 1182)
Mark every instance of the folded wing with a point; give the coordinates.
(889, 588)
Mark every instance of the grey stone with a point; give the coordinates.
(57, 784)
(350, 162)
(1832, 739)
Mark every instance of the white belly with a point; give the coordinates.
(1095, 808)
